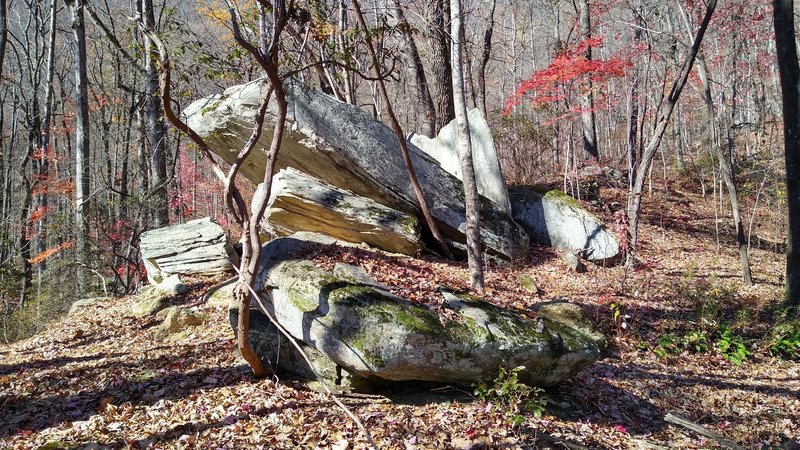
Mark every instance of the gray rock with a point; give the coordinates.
(344, 146)
(356, 275)
(276, 351)
(223, 296)
(573, 262)
(172, 285)
(376, 335)
(153, 298)
(528, 283)
(176, 320)
(149, 301)
(444, 149)
(300, 202)
(555, 219)
(197, 247)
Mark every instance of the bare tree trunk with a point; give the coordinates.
(24, 241)
(3, 35)
(398, 131)
(643, 166)
(81, 144)
(587, 99)
(421, 82)
(471, 197)
(347, 75)
(783, 16)
(5, 163)
(45, 147)
(156, 128)
(727, 170)
(440, 60)
(487, 52)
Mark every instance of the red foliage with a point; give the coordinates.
(570, 66)
(53, 186)
(38, 214)
(51, 251)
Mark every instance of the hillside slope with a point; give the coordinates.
(100, 378)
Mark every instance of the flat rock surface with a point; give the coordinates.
(300, 202)
(197, 247)
(344, 146)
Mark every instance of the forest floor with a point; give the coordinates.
(101, 379)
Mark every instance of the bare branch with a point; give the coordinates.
(113, 39)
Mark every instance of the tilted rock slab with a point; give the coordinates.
(197, 247)
(374, 334)
(488, 175)
(344, 146)
(555, 219)
(300, 202)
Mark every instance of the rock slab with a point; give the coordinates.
(197, 247)
(300, 202)
(488, 175)
(555, 219)
(344, 146)
(376, 335)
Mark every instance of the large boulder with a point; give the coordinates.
(344, 146)
(373, 334)
(555, 219)
(279, 354)
(300, 202)
(444, 149)
(198, 247)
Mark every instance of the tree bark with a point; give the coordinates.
(156, 128)
(3, 35)
(789, 69)
(45, 145)
(487, 52)
(587, 98)
(643, 166)
(471, 197)
(421, 81)
(440, 60)
(401, 140)
(82, 135)
(728, 172)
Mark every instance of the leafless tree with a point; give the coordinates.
(471, 198)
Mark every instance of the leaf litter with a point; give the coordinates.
(100, 379)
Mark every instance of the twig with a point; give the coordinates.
(294, 343)
(688, 424)
(99, 275)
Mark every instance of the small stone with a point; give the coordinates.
(172, 285)
(176, 320)
(150, 301)
(223, 296)
(573, 262)
(528, 283)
